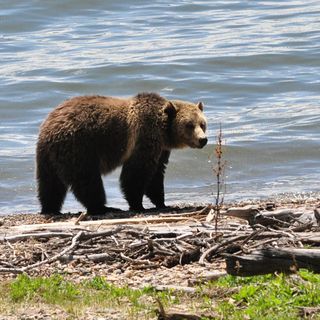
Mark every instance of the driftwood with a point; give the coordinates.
(290, 224)
(250, 246)
(91, 224)
(39, 235)
(285, 218)
(99, 257)
(273, 260)
(47, 235)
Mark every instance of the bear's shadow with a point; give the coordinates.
(116, 213)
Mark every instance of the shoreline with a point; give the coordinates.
(285, 201)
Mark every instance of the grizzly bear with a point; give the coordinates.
(87, 136)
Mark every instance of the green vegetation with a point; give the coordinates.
(74, 298)
(261, 297)
(271, 296)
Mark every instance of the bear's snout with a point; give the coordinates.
(203, 142)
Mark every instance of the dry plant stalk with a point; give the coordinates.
(219, 172)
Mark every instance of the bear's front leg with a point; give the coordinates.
(155, 188)
(136, 175)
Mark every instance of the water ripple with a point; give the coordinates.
(255, 65)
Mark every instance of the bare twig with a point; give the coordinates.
(134, 261)
(74, 243)
(219, 172)
(218, 246)
(82, 216)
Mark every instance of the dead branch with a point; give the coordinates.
(215, 247)
(247, 212)
(135, 261)
(99, 234)
(99, 257)
(82, 216)
(39, 235)
(74, 243)
(200, 212)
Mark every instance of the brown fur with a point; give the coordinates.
(87, 136)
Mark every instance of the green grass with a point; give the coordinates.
(270, 296)
(261, 297)
(76, 297)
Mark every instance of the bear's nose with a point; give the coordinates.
(203, 142)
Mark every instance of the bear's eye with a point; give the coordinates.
(203, 126)
(190, 126)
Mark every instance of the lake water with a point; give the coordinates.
(254, 64)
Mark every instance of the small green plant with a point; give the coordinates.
(53, 289)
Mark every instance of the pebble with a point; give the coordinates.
(117, 271)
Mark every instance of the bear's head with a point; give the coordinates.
(186, 124)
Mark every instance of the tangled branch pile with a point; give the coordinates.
(170, 240)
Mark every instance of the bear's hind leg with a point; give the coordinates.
(132, 186)
(88, 189)
(51, 190)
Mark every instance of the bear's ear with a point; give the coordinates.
(200, 105)
(170, 109)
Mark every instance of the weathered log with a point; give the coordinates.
(310, 238)
(47, 235)
(286, 260)
(282, 218)
(246, 212)
(39, 235)
(89, 225)
(98, 257)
